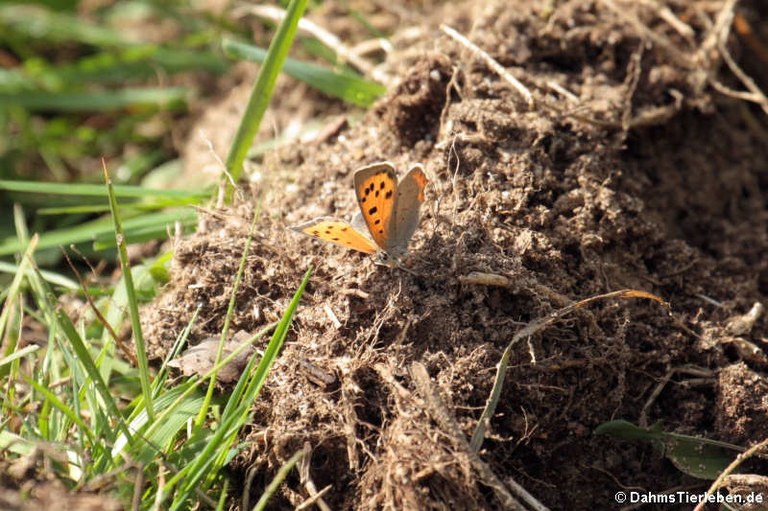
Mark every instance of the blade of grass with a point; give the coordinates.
(62, 407)
(53, 278)
(138, 234)
(136, 424)
(238, 406)
(343, 85)
(531, 328)
(94, 229)
(258, 377)
(49, 304)
(222, 503)
(134, 63)
(180, 406)
(74, 210)
(132, 207)
(15, 443)
(228, 319)
(241, 401)
(14, 290)
(133, 306)
(94, 190)
(105, 101)
(18, 354)
(12, 312)
(37, 23)
(262, 91)
(272, 487)
(181, 341)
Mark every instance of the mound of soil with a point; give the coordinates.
(631, 168)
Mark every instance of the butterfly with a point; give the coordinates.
(388, 217)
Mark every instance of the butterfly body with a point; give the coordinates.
(388, 217)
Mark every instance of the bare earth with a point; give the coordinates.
(632, 169)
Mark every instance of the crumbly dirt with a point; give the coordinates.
(630, 171)
(26, 484)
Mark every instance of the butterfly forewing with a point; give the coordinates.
(338, 232)
(376, 190)
(410, 195)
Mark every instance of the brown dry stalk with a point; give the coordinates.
(492, 63)
(678, 57)
(440, 414)
(528, 330)
(752, 451)
(126, 351)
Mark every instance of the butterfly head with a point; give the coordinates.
(391, 261)
(384, 259)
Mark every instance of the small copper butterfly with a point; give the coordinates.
(389, 214)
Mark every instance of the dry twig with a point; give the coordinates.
(492, 63)
(448, 425)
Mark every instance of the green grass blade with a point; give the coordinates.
(134, 63)
(105, 101)
(62, 407)
(133, 303)
(94, 190)
(272, 487)
(11, 442)
(181, 340)
(19, 354)
(236, 411)
(228, 319)
(349, 87)
(702, 458)
(14, 291)
(84, 357)
(12, 310)
(186, 392)
(184, 408)
(37, 23)
(259, 376)
(262, 91)
(75, 210)
(138, 231)
(53, 278)
(100, 228)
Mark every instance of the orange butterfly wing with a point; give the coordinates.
(338, 232)
(376, 190)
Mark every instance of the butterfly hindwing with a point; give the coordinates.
(410, 195)
(338, 232)
(376, 190)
